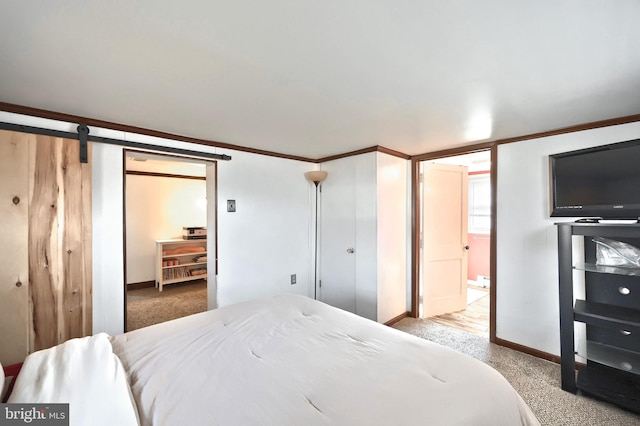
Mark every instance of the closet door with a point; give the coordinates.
(14, 258)
(338, 235)
(348, 254)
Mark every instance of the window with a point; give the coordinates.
(479, 204)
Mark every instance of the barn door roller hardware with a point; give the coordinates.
(83, 134)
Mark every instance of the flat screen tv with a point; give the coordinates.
(600, 182)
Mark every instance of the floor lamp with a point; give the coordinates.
(316, 176)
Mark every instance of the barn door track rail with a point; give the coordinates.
(83, 137)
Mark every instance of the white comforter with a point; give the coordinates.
(293, 361)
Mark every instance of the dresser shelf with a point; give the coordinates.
(605, 269)
(610, 316)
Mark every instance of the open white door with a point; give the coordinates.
(444, 227)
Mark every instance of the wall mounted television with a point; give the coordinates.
(599, 182)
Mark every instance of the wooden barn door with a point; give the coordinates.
(57, 287)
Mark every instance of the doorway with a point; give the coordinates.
(455, 288)
(165, 199)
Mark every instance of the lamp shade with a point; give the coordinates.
(316, 176)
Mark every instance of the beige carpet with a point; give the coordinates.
(536, 380)
(148, 306)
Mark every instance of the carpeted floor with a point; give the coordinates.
(148, 306)
(536, 380)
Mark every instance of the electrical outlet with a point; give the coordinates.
(293, 279)
(231, 205)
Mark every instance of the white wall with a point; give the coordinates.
(268, 238)
(392, 236)
(108, 266)
(157, 208)
(527, 266)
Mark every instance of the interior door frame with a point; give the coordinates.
(415, 225)
(214, 205)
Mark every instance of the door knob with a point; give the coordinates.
(466, 247)
(350, 250)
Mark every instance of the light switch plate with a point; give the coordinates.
(231, 205)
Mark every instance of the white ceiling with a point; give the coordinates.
(317, 78)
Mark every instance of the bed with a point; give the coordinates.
(287, 360)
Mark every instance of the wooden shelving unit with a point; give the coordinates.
(175, 261)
